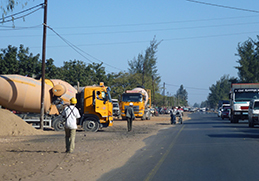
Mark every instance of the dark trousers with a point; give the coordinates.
(129, 121)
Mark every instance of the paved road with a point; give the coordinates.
(203, 148)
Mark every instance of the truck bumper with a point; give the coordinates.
(241, 115)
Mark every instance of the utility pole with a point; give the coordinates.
(143, 76)
(164, 94)
(43, 64)
(154, 102)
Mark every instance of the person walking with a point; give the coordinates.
(71, 115)
(130, 116)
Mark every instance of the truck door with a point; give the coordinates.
(99, 102)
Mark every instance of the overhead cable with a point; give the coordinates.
(222, 6)
(3, 20)
(78, 49)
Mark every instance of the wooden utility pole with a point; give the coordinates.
(154, 101)
(164, 94)
(143, 75)
(43, 64)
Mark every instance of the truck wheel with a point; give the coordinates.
(91, 124)
(58, 123)
(251, 123)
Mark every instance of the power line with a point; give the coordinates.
(15, 18)
(222, 6)
(156, 23)
(74, 47)
(19, 28)
(140, 31)
(10, 16)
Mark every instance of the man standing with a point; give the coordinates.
(71, 115)
(130, 116)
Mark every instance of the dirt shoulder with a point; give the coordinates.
(40, 156)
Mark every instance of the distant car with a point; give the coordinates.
(225, 113)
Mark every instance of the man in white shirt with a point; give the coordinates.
(71, 114)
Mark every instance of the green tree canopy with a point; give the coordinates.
(19, 61)
(219, 91)
(248, 61)
(146, 64)
(181, 96)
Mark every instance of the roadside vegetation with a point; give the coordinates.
(142, 71)
(248, 63)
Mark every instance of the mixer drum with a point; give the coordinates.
(23, 94)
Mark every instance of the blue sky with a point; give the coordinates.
(198, 47)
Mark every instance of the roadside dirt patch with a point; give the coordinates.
(12, 125)
(41, 156)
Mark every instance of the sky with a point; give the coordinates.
(198, 41)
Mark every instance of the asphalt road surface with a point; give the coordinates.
(202, 148)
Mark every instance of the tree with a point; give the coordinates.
(124, 81)
(146, 64)
(29, 65)
(14, 61)
(144, 67)
(249, 61)
(196, 105)
(8, 60)
(181, 96)
(204, 104)
(76, 71)
(219, 91)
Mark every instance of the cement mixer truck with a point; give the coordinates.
(23, 94)
(141, 100)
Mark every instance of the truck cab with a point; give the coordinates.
(95, 107)
(240, 96)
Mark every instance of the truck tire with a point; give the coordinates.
(251, 123)
(234, 119)
(91, 124)
(58, 123)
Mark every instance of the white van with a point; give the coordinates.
(253, 113)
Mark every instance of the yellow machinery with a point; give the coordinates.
(23, 94)
(141, 100)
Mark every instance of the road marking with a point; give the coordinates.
(152, 173)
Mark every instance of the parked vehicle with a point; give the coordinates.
(240, 96)
(253, 113)
(141, 99)
(222, 107)
(116, 108)
(23, 94)
(225, 113)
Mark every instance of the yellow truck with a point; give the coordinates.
(141, 100)
(23, 94)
